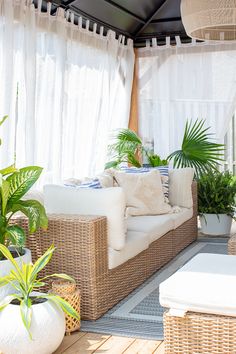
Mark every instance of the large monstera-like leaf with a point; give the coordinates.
(21, 181)
(16, 235)
(34, 211)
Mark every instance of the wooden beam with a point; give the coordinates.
(150, 18)
(133, 118)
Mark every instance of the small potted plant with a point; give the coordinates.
(216, 202)
(14, 184)
(31, 322)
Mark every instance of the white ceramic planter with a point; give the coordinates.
(212, 224)
(5, 268)
(47, 329)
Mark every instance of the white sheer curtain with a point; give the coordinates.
(186, 81)
(73, 86)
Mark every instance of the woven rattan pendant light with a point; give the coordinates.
(209, 19)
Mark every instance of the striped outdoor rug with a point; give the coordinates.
(140, 314)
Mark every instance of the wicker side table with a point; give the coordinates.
(232, 245)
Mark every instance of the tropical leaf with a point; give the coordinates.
(111, 164)
(198, 151)
(26, 314)
(16, 235)
(8, 170)
(7, 254)
(35, 212)
(7, 300)
(125, 149)
(65, 306)
(59, 275)
(130, 136)
(5, 280)
(4, 190)
(21, 182)
(3, 120)
(42, 262)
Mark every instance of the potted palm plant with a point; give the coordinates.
(216, 202)
(32, 322)
(128, 148)
(14, 184)
(197, 150)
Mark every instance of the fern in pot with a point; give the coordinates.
(216, 202)
(14, 184)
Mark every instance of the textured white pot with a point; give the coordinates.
(213, 224)
(5, 268)
(47, 329)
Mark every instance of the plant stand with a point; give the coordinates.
(68, 292)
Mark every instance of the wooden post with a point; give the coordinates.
(133, 118)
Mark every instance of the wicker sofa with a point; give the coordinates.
(82, 252)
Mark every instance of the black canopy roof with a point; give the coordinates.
(136, 19)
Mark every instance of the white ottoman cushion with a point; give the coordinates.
(207, 284)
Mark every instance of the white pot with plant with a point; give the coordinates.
(31, 322)
(216, 202)
(14, 184)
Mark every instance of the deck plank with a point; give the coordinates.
(160, 349)
(115, 345)
(87, 344)
(68, 341)
(143, 346)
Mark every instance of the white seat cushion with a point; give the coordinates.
(184, 215)
(153, 225)
(206, 284)
(136, 242)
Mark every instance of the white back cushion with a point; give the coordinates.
(109, 202)
(180, 187)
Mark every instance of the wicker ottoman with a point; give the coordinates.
(232, 245)
(202, 306)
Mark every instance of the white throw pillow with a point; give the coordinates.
(180, 187)
(144, 193)
(105, 179)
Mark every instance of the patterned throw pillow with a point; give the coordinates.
(164, 172)
(93, 184)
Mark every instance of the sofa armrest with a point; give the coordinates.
(81, 252)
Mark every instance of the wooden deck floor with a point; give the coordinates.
(88, 343)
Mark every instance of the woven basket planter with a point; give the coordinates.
(68, 291)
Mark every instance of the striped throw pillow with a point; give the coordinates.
(93, 184)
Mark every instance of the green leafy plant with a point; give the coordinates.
(24, 278)
(216, 193)
(155, 160)
(198, 151)
(127, 148)
(14, 184)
